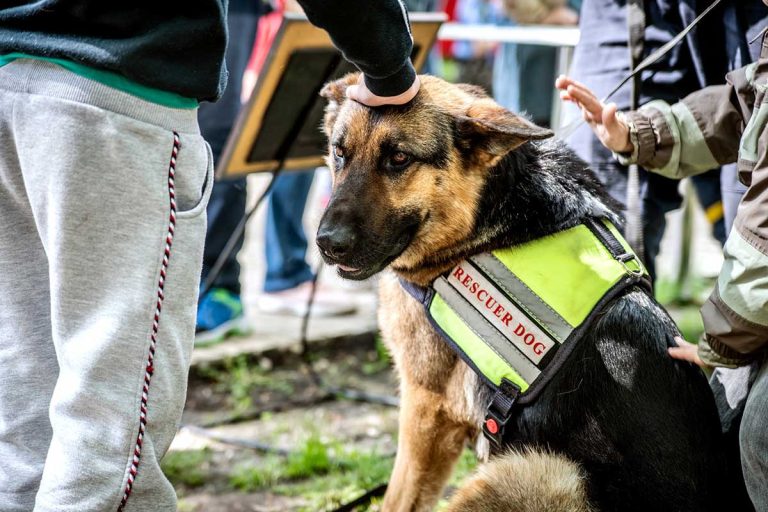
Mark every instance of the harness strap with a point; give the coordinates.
(499, 411)
(615, 247)
(419, 293)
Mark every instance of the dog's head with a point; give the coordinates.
(407, 180)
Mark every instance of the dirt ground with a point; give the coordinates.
(263, 435)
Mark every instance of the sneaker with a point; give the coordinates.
(293, 302)
(219, 315)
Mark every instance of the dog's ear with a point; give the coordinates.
(336, 92)
(489, 131)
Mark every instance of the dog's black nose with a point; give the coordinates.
(335, 242)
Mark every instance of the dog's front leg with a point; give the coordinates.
(429, 445)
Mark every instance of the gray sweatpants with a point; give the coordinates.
(102, 221)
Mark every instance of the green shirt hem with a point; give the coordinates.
(114, 80)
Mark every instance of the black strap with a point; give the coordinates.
(365, 499)
(633, 230)
(617, 250)
(636, 26)
(499, 412)
(601, 231)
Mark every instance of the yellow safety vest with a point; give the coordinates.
(515, 314)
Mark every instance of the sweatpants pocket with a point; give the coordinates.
(193, 180)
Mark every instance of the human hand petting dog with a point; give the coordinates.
(686, 351)
(362, 94)
(609, 127)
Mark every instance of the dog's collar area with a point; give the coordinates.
(515, 315)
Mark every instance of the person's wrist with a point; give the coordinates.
(628, 139)
(362, 94)
(627, 147)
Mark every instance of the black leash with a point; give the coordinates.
(633, 228)
(365, 499)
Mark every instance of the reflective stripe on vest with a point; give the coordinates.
(509, 312)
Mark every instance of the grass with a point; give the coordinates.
(239, 378)
(187, 467)
(323, 474)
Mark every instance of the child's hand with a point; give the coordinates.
(612, 131)
(685, 351)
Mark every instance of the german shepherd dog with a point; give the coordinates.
(418, 188)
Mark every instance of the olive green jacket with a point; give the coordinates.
(714, 126)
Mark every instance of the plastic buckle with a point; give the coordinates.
(625, 258)
(499, 412)
(494, 427)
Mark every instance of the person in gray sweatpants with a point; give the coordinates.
(104, 180)
(103, 198)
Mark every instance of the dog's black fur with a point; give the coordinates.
(653, 443)
(643, 425)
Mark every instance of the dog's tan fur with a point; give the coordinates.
(432, 252)
(524, 482)
(438, 414)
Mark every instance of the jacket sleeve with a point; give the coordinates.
(711, 127)
(736, 314)
(694, 135)
(374, 35)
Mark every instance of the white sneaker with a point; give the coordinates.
(293, 302)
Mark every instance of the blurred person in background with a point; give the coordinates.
(602, 60)
(522, 72)
(475, 58)
(288, 276)
(220, 311)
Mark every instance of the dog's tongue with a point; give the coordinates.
(348, 269)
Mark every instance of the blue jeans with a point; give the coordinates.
(285, 240)
(227, 204)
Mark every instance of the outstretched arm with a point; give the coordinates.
(692, 136)
(707, 128)
(375, 36)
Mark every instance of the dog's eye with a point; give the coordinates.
(399, 159)
(338, 152)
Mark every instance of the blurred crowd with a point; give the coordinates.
(521, 78)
